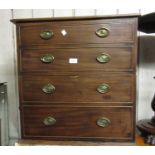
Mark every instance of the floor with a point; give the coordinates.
(139, 142)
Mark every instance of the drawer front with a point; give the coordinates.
(77, 59)
(80, 122)
(102, 31)
(102, 87)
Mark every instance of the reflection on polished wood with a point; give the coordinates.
(76, 104)
(139, 142)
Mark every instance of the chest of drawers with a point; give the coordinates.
(77, 77)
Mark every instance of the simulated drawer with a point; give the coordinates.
(86, 88)
(77, 59)
(78, 32)
(108, 123)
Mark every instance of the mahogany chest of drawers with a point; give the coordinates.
(77, 77)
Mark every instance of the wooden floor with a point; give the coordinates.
(139, 142)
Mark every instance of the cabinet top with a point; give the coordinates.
(29, 20)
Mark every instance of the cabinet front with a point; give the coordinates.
(78, 123)
(77, 59)
(78, 32)
(78, 88)
(77, 78)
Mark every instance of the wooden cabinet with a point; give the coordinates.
(77, 77)
(78, 122)
(77, 32)
(77, 88)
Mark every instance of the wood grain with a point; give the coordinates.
(78, 32)
(78, 88)
(78, 123)
(121, 59)
(27, 142)
(75, 101)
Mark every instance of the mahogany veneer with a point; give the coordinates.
(66, 93)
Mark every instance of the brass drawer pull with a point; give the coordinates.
(102, 32)
(49, 121)
(48, 88)
(103, 58)
(46, 35)
(47, 58)
(103, 122)
(103, 88)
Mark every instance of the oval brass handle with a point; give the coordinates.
(102, 32)
(49, 121)
(103, 122)
(48, 88)
(46, 35)
(103, 58)
(47, 58)
(103, 88)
